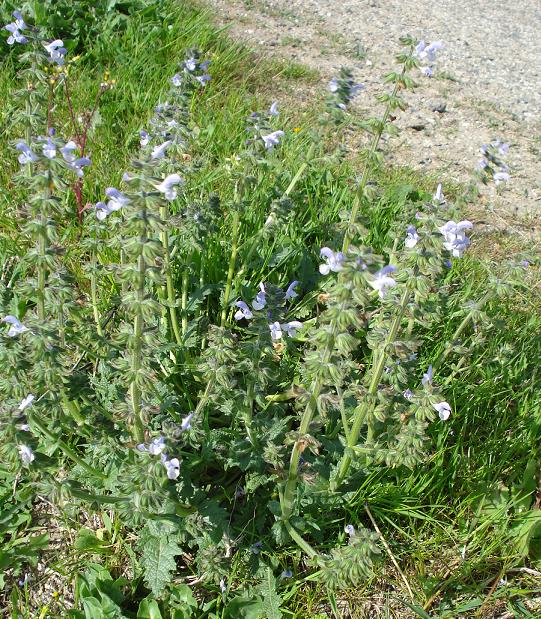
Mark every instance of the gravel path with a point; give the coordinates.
(487, 79)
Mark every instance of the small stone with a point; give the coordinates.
(438, 106)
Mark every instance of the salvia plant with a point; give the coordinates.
(199, 404)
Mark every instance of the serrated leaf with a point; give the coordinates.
(271, 600)
(158, 561)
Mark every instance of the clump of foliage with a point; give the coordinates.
(184, 372)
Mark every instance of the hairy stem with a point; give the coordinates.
(94, 294)
(169, 291)
(363, 413)
(231, 270)
(184, 299)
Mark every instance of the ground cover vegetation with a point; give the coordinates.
(247, 372)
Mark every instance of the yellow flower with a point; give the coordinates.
(296, 129)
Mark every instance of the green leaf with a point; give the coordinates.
(149, 609)
(158, 561)
(241, 607)
(271, 600)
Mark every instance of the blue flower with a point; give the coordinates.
(286, 574)
(167, 186)
(349, 529)
(275, 331)
(27, 455)
(444, 410)
(49, 149)
(172, 467)
(382, 282)
(190, 64)
(185, 423)
(291, 327)
(159, 151)
(272, 139)
(260, 300)
(79, 164)
(16, 327)
(412, 238)
(455, 239)
(56, 51)
(290, 292)
(26, 402)
(117, 201)
(427, 377)
(14, 28)
(26, 156)
(243, 311)
(203, 79)
(67, 151)
(334, 261)
(145, 138)
(273, 111)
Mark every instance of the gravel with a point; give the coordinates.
(486, 84)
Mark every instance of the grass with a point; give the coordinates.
(456, 525)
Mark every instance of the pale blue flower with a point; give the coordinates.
(172, 467)
(26, 402)
(412, 238)
(427, 71)
(156, 446)
(185, 423)
(167, 186)
(16, 327)
(292, 327)
(256, 548)
(349, 529)
(203, 79)
(438, 197)
(26, 454)
(382, 282)
(286, 574)
(290, 292)
(261, 299)
(273, 110)
(243, 312)
(26, 156)
(49, 149)
(272, 139)
(56, 51)
(455, 239)
(79, 164)
(14, 28)
(177, 80)
(190, 64)
(333, 84)
(68, 151)
(205, 65)
(408, 394)
(223, 586)
(427, 377)
(145, 138)
(501, 177)
(334, 261)
(117, 201)
(444, 410)
(275, 331)
(159, 151)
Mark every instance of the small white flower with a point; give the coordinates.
(427, 377)
(291, 327)
(26, 156)
(243, 312)
(167, 186)
(16, 327)
(260, 300)
(275, 330)
(49, 149)
(157, 446)
(501, 177)
(438, 197)
(349, 529)
(334, 261)
(24, 427)
(455, 239)
(382, 282)
(272, 139)
(444, 410)
(172, 467)
(159, 151)
(273, 111)
(68, 151)
(56, 51)
(145, 138)
(26, 454)
(412, 238)
(185, 424)
(290, 292)
(26, 402)
(223, 586)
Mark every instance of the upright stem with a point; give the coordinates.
(94, 293)
(363, 412)
(169, 285)
(231, 270)
(184, 299)
(368, 167)
(138, 425)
